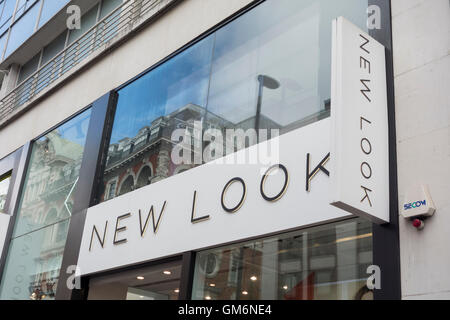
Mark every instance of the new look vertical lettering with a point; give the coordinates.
(359, 135)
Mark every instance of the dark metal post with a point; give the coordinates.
(86, 191)
(187, 275)
(19, 161)
(386, 243)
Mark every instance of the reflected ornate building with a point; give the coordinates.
(146, 158)
(48, 199)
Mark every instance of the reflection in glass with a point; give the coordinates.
(268, 69)
(160, 282)
(172, 96)
(327, 262)
(4, 187)
(33, 263)
(52, 176)
(45, 208)
(22, 29)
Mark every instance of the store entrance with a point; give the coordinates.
(159, 281)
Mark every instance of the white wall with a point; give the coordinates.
(421, 44)
(174, 29)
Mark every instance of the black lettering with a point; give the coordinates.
(117, 230)
(368, 145)
(363, 91)
(152, 214)
(320, 167)
(366, 195)
(366, 165)
(283, 190)
(199, 219)
(361, 122)
(241, 202)
(363, 63)
(366, 42)
(102, 241)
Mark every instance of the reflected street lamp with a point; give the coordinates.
(269, 83)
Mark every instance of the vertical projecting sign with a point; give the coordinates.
(359, 142)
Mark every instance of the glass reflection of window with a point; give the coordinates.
(172, 96)
(268, 69)
(326, 262)
(4, 187)
(42, 221)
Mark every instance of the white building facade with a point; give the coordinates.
(90, 179)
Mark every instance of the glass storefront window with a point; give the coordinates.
(52, 176)
(170, 97)
(268, 69)
(326, 262)
(160, 282)
(4, 187)
(35, 254)
(33, 264)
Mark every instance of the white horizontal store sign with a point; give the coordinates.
(137, 238)
(218, 203)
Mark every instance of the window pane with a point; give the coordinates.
(108, 6)
(2, 43)
(35, 253)
(80, 50)
(50, 71)
(270, 69)
(280, 52)
(33, 264)
(26, 84)
(108, 28)
(326, 262)
(160, 282)
(22, 29)
(148, 110)
(49, 9)
(8, 11)
(4, 187)
(29, 68)
(22, 7)
(52, 175)
(87, 21)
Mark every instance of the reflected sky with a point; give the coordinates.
(172, 85)
(76, 129)
(287, 40)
